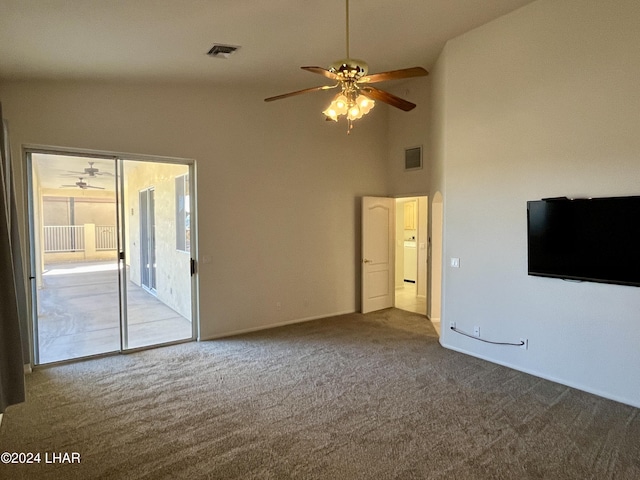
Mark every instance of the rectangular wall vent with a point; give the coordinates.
(413, 158)
(222, 51)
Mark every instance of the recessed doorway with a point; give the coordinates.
(411, 254)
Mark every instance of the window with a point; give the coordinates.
(183, 214)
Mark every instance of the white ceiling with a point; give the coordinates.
(167, 40)
(54, 171)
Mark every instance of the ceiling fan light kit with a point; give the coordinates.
(353, 107)
(356, 97)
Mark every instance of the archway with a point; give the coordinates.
(437, 220)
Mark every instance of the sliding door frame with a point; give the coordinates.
(119, 160)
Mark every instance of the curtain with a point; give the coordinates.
(13, 309)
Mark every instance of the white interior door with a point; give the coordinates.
(378, 257)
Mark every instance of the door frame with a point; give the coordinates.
(33, 269)
(148, 249)
(434, 306)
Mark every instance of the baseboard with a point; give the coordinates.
(273, 325)
(1, 418)
(551, 378)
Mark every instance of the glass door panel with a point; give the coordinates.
(158, 297)
(74, 263)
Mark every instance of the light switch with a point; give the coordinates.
(455, 262)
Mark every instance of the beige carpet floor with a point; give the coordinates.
(351, 397)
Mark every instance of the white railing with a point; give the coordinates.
(80, 238)
(64, 238)
(106, 237)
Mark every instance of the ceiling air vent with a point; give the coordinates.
(222, 51)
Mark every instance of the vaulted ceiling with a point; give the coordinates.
(168, 40)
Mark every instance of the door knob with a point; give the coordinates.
(366, 261)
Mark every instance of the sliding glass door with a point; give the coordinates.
(110, 269)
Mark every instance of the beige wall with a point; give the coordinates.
(406, 130)
(278, 187)
(540, 103)
(56, 211)
(173, 273)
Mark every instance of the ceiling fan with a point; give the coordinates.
(357, 96)
(91, 171)
(81, 184)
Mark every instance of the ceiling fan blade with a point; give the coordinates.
(394, 75)
(90, 186)
(386, 97)
(299, 92)
(322, 71)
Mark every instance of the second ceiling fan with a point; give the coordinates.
(81, 184)
(357, 96)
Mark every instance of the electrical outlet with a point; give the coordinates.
(525, 344)
(452, 325)
(278, 305)
(476, 331)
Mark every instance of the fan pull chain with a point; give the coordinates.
(348, 29)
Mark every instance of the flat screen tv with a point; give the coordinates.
(595, 239)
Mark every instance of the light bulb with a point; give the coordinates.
(340, 104)
(365, 104)
(354, 113)
(331, 113)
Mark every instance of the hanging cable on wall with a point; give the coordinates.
(521, 343)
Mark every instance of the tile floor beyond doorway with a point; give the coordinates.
(79, 313)
(407, 299)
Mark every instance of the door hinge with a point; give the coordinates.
(120, 255)
(193, 266)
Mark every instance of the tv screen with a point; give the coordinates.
(596, 239)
